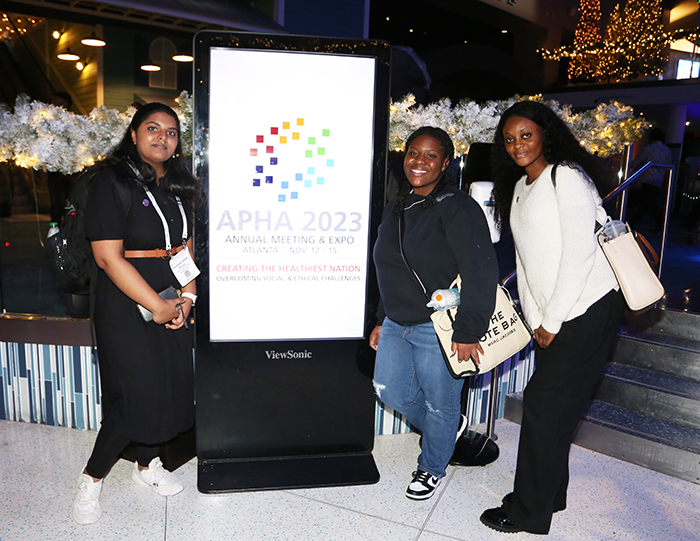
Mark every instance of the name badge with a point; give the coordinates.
(184, 267)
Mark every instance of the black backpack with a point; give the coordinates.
(71, 255)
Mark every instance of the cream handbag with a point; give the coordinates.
(639, 284)
(507, 335)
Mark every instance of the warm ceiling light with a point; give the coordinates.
(56, 34)
(67, 55)
(182, 57)
(150, 66)
(93, 41)
(79, 65)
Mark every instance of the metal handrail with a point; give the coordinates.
(667, 206)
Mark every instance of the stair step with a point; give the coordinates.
(663, 446)
(667, 321)
(636, 423)
(657, 351)
(659, 395)
(651, 379)
(660, 338)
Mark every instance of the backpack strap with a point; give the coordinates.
(124, 194)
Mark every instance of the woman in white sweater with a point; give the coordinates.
(548, 186)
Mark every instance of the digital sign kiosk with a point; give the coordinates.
(290, 139)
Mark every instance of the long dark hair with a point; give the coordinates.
(560, 146)
(446, 178)
(177, 181)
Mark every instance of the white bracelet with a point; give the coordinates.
(190, 296)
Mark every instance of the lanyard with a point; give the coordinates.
(166, 229)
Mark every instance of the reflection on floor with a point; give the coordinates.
(608, 499)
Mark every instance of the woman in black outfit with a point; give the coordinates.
(146, 368)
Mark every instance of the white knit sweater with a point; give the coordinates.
(561, 269)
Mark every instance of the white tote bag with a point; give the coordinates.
(507, 334)
(638, 282)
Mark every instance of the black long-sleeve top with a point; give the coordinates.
(439, 242)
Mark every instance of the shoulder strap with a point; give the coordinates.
(403, 256)
(553, 173)
(124, 196)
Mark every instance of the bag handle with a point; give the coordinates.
(647, 249)
(649, 253)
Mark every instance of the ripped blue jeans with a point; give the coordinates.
(410, 376)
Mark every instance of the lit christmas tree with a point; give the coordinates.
(614, 37)
(644, 41)
(585, 65)
(634, 46)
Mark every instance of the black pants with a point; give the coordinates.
(108, 447)
(557, 395)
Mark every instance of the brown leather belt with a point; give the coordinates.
(158, 252)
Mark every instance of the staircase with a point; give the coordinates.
(647, 407)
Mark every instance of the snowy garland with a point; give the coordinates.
(42, 136)
(38, 135)
(604, 130)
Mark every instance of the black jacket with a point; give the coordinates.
(451, 237)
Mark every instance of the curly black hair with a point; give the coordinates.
(447, 177)
(177, 181)
(560, 146)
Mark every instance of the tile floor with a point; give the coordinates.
(608, 499)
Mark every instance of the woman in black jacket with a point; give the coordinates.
(444, 233)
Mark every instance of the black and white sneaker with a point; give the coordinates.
(423, 486)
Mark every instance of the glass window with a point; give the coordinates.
(687, 69)
(161, 52)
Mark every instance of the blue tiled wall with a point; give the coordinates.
(53, 385)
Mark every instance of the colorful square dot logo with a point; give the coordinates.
(290, 158)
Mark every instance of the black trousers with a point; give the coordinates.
(557, 395)
(108, 447)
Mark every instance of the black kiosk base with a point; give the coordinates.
(286, 473)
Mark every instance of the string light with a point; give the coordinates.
(633, 45)
(12, 25)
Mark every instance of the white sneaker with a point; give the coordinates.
(86, 509)
(157, 477)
